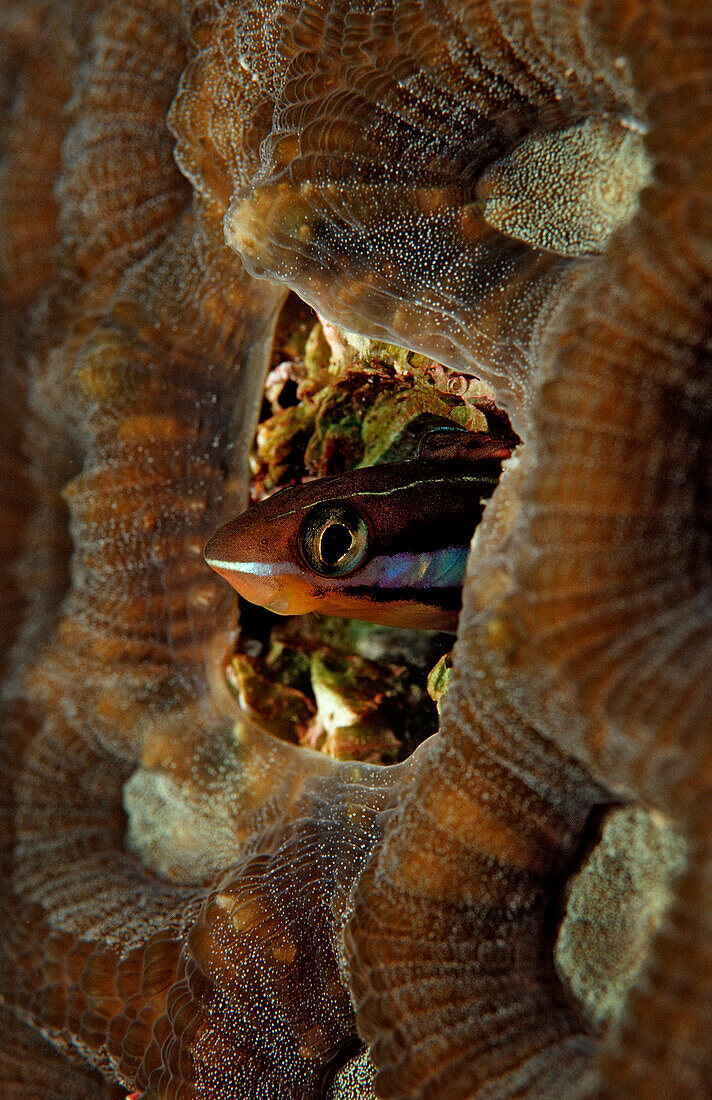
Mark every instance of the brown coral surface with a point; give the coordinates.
(521, 190)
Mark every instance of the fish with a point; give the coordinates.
(386, 544)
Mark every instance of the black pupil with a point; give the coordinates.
(335, 542)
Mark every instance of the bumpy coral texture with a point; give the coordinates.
(521, 189)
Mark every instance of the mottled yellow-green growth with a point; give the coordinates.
(276, 707)
(615, 905)
(352, 401)
(350, 690)
(569, 190)
(439, 679)
(358, 708)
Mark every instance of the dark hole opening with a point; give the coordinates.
(274, 655)
(288, 395)
(335, 542)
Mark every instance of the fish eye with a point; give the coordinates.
(334, 539)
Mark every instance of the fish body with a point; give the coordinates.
(387, 543)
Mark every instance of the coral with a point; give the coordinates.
(514, 190)
(356, 402)
(627, 883)
(316, 686)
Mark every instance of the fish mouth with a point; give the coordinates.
(215, 551)
(279, 605)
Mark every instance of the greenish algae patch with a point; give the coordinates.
(347, 689)
(341, 401)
